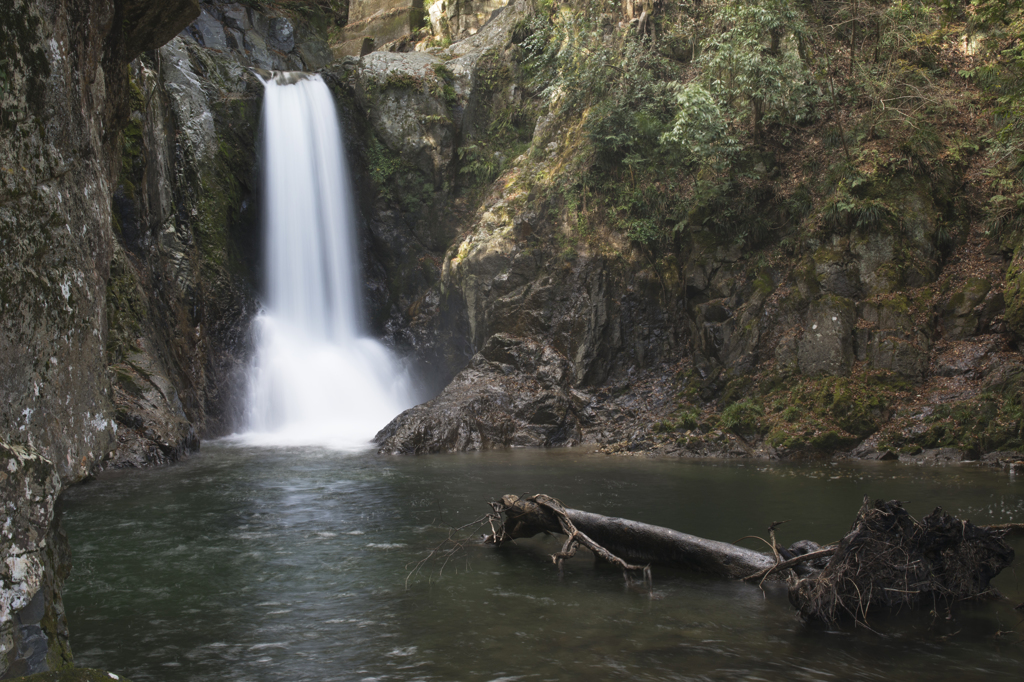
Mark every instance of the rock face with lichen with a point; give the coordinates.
(33, 566)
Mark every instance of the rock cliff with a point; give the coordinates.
(738, 308)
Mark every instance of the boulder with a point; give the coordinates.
(515, 392)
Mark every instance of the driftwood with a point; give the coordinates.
(639, 544)
(887, 560)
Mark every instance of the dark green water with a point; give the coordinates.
(261, 564)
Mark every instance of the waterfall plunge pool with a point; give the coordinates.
(290, 563)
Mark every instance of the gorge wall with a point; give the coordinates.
(64, 103)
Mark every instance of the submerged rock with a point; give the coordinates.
(515, 392)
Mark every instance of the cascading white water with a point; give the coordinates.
(316, 378)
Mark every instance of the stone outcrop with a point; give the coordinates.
(115, 253)
(373, 24)
(872, 303)
(64, 105)
(459, 19)
(180, 294)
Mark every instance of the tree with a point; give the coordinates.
(747, 61)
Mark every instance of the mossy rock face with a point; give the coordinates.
(1014, 293)
(958, 318)
(73, 675)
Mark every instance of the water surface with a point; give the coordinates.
(271, 564)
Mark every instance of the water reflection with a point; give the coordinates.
(252, 564)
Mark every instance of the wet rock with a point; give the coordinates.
(33, 566)
(152, 425)
(943, 455)
(515, 392)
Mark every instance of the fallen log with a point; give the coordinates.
(887, 560)
(640, 544)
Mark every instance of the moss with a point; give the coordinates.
(126, 308)
(382, 166)
(734, 390)
(401, 81)
(764, 283)
(444, 87)
(219, 205)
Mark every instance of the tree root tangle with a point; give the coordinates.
(890, 560)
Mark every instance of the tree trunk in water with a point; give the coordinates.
(632, 541)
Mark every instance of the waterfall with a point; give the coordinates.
(316, 378)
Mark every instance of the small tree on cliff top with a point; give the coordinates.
(747, 63)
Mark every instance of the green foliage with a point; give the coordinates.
(751, 63)
(383, 164)
(509, 124)
(480, 164)
(743, 417)
(700, 129)
(444, 88)
(998, 25)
